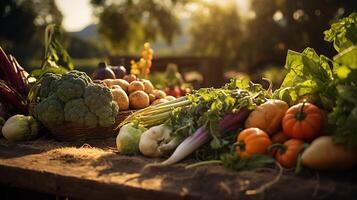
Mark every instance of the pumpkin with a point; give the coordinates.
(303, 121)
(267, 116)
(287, 153)
(279, 137)
(252, 141)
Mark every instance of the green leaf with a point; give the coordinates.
(55, 53)
(37, 73)
(348, 93)
(347, 58)
(233, 161)
(343, 33)
(308, 74)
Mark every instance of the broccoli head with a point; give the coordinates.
(50, 111)
(107, 114)
(96, 95)
(76, 111)
(82, 75)
(47, 84)
(71, 86)
(99, 100)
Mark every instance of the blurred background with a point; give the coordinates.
(209, 41)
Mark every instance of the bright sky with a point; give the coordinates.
(77, 14)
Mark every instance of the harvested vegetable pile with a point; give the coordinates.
(309, 121)
(243, 126)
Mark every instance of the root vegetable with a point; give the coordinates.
(152, 98)
(135, 86)
(128, 138)
(129, 78)
(170, 98)
(148, 87)
(108, 82)
(121, 98)
(323, 154)
(122, 83)
(20, 127)
(139, 99)
(159, 101)
(159, 94)
(152, 139)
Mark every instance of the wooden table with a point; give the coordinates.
(96, 171)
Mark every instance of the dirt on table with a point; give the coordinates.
(109, 172)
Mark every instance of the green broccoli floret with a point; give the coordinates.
(82, 75)
(99, 101)
(50, 111)
(48, 84)
(76, 111)
(71, 86)
(107, 114)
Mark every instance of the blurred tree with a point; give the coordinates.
(81, 48)
(217, 31)
(125, 25)
(279, 25)
(23, 23)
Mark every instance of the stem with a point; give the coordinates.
(301, 115)
(282, 148)
(298, 168)
(241, 145)
(208, 162)
(269, 90)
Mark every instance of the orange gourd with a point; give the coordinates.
(287, 153)
(279, 137)
(303, 121)
(252, 141)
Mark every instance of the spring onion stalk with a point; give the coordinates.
(201, 136)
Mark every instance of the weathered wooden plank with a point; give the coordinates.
(65, 169)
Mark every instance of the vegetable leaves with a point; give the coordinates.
(343, 34)
(209, 106)
(232, 161)
(309, 74)
(331, 84)
(56, 59)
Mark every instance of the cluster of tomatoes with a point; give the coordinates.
(281, 131)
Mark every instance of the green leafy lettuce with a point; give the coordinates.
(343, 34)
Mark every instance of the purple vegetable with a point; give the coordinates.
(3, 111)
(201, 136)
(9, 72)
(12, 98)
(119, 71)
(103, 72)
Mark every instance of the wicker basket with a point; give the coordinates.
(73, 132)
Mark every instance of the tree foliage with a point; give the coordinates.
(217, 31)
(280, 25)
(22, 25)
(125, 25)
(264, 37)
